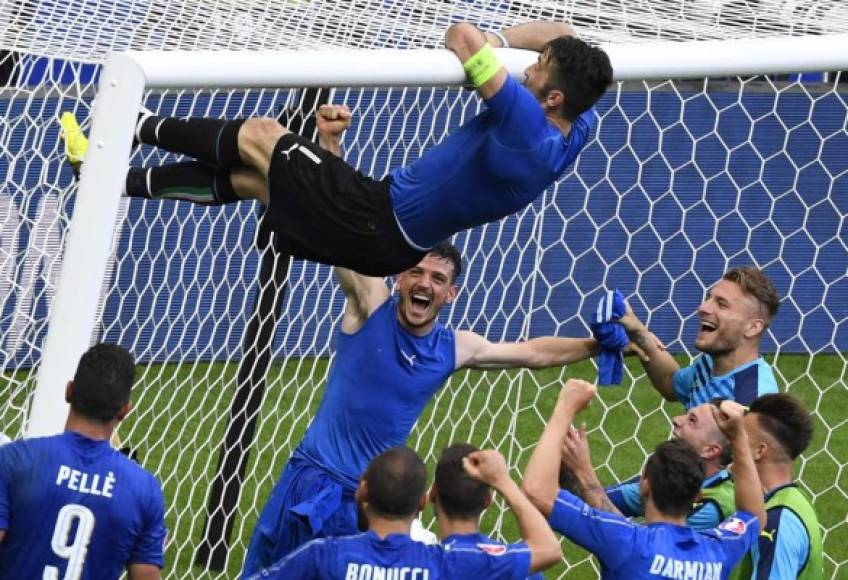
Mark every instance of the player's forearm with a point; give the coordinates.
(143, 572)
(537, 534)
(660, 365)
(331, 144)
(532, 35)
(592, 492)
(550, 351)
(541, 478)
(747, 487)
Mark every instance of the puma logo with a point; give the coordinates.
(409, 359)
(769, 534)
(312, 157)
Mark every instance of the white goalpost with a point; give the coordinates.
(711, 150)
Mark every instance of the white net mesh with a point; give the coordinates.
(682, 181)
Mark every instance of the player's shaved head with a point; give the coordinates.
(674, 474)
(396, 479)
(459, 495)
(102, 382)
(785, 420)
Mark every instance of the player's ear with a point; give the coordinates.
(454, 290)
(69, 389)
(123, 411)
(710, 451)
(433, 494)
(554, 100)
(488, 501)
(756, 326)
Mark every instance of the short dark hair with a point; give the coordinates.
(396, 479)
(459, 494)
(755, 283)
(581, 71)
(784, 418)
(675, 474)
(447, 251)
(102, 382)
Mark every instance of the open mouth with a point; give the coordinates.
(708, 326)
(420, 301)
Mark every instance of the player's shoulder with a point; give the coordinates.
(22, 453)
(739, 525)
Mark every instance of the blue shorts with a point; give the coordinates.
(306, 503)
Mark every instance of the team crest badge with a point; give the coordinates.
(734, 525)
(493, 549)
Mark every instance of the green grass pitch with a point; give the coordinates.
(181, 413)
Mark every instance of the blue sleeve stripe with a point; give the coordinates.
(747, 383)
(703, 371)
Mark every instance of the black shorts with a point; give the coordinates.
(323, 210)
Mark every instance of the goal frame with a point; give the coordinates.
(126, 75)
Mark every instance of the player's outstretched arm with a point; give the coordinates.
(331, 122)
(747, 486)
(530, 35)
(475, 351)
(541, 478)
(143, 572)
(489, 467)
(363, 295)
(658, 362)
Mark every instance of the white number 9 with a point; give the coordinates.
(72, 551)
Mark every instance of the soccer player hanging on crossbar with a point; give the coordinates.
(324, 210)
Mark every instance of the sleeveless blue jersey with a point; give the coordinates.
(398, 557)
(71, 505)
(631, 551)
(488, 168)
(381, 379)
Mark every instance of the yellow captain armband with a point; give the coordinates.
(482, 66)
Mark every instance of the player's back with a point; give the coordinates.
(396, 557)
(482, 542)
(73, 507)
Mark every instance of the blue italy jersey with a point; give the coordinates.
(479, 540)
(73, 507)
(696, 385)
(398, 557)
(704, 515)
(632, 551)
(381, 379)
(490, 167)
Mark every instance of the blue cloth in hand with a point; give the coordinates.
(611, 337)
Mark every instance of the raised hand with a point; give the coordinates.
(488, 466)
(729, 418)
(332, 120)
(576, 394)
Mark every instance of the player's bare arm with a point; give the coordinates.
(530, 35)
(489, 467)
(747, 486)
(576, 458)
(143, 572)
(363, 295)
(475, 351)
(658, 363)
(541, 478)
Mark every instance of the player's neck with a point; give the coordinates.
(90, 429)
(655, 516)
(774, 474)
(564, 125)
(456, 527)
(384, 527)
(727, 361)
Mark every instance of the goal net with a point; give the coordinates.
(684, 179)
